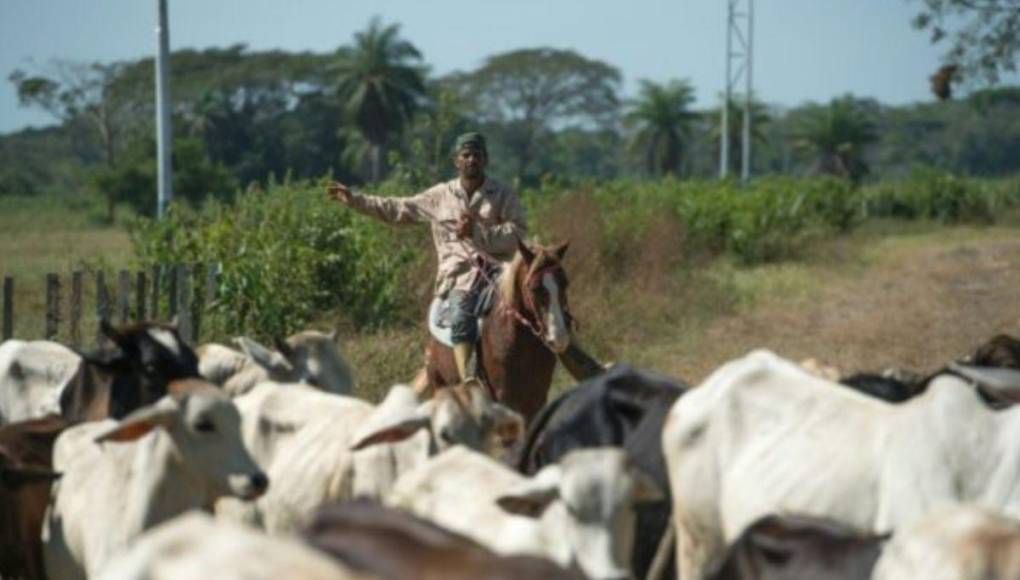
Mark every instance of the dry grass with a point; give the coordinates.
(42, 237)
(913, 300)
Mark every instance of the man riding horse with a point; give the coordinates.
(475, 222)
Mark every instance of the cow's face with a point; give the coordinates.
(466, 415)
(205, 427)
(144, 358)
(462, 415)
(209, 434)
(596, 491)
(308, 357)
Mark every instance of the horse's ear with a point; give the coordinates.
(525, 251)
(561, 250)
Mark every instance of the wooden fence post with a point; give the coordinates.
(198, 301)
(156, 283)
(183, 287)
(8, 326)
(140, 295)
(102, 304)
(123, 296)
(76, 288)
(173, 296)
(205, 297)
(52, 305)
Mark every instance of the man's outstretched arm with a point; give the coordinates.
(394, 210)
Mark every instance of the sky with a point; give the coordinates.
(804, 50)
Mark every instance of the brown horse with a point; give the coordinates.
(526, 327)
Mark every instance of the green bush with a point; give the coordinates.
(939, 196)
(286, 256)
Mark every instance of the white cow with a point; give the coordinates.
(579, 512)
(762, 436)
(954, 543)
(121, 478)
(194, 546)
(318, 447)
(309, 357)
(32, 377)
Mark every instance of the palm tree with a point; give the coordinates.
(662, 117)
(381, 85)
(837, 136)
(760, 118)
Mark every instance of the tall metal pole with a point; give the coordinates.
(724, 135)
(738, 48)
(745, 158)
(163, 129)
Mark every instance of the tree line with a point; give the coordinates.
(373, 110)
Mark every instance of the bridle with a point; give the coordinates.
(536, 324)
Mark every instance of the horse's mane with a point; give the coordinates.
(508, 279)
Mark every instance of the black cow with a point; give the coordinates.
(881, 386)
(622, 407)
(132, 372)
(799, 548)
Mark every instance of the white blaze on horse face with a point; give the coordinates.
(556, 334)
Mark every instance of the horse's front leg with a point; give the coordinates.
(421, 385)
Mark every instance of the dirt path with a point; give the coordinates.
(912, 302)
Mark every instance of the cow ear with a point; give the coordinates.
(333, 335)
(14, 477)
(140, 422)
(533, 496)
(507, 425)
(397, 418)
(175, 322)
(645, 488)
(525, 251)
(560, 250)
(265, 358)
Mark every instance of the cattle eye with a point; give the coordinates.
(205, 426)
(446, 436)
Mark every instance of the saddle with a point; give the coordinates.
(440, 322)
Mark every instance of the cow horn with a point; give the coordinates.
(993, 378)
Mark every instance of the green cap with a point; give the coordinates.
(470, 140)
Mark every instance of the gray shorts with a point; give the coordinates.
(462, 311)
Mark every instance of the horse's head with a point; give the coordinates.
(540, 293)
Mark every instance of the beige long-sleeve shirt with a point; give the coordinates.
(498, 223)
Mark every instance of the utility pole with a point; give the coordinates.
(739, 52)
(163, 130)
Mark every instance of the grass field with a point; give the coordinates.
(890, 293)
(43, 236)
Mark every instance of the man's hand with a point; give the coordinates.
(338, 192)
(464, 226)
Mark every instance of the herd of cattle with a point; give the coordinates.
(145, 459)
